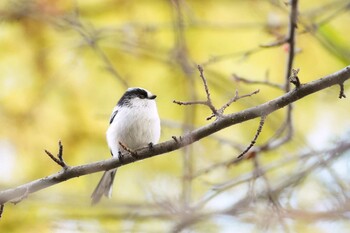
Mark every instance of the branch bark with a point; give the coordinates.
(20, 192)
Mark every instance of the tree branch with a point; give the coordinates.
(287, 126)
(336, 78)
(252, 143)
(1, 210)
(237, 78)
(59, 160)
(208, 102)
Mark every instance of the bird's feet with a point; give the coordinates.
(150, 145)
(132, 153)
(120, 157)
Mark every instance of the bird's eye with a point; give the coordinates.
(142, 96)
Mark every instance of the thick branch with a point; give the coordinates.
(187, 139)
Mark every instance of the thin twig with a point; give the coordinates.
(235, 160)
(294, 78)
(235, 98)
(132, 152)
(60, 153)
(252, 143)
(275, 43)
(175, 138)
(341, 93)
(232, 100)
(237, 78)
(53, 157)
(208, 102)
(190, 102)
(59, 160)
(1, 209)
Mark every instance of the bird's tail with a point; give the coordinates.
(104, 187)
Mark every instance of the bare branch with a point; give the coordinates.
(53, 157)
(1, 210)
(294, 78)
(252, 143)
(60, 153)
(232, 100)
(59, 160)
(143, 153)
(124, 147)
(293, 18)
(190, 102)
(275, 43)
(237, 78)
(209, 103)
(341, 93)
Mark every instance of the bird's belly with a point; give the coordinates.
(134, 133)
(137, 135)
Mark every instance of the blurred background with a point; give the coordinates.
(64, 64)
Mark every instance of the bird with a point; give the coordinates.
(134, 123)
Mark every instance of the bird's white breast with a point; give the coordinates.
(135, 126)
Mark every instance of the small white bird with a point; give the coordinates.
(135, 123)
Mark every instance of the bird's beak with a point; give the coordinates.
(152, 97)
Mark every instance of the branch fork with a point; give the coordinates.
(132, 153)
(341, 93)
(218, 113)
(59, 158)
(294, 77)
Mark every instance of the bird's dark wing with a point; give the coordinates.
(113, 116)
